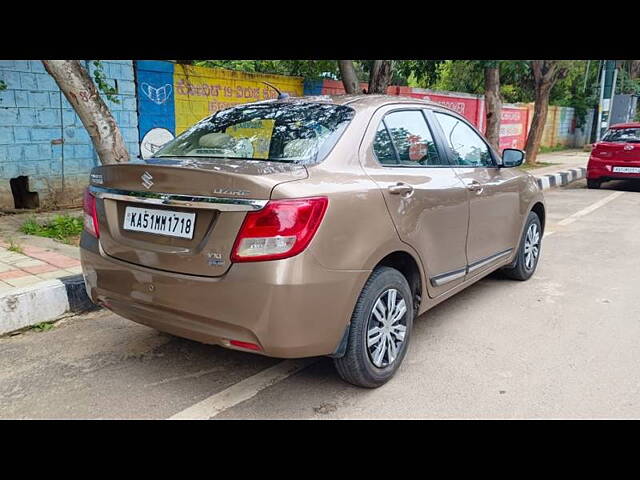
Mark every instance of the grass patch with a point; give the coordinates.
(64, 228)
(556, 148)
(529, 166)
(14, 247)
(42, 326)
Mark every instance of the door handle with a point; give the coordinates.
(401, 188)
(475, 186)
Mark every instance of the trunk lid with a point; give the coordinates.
(618, 151)
(228, 187)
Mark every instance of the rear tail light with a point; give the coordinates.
(600, 152)
(282, 229)
(90, 214)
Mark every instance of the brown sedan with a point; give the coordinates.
(309, 226)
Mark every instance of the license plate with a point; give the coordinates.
(626, 169)
(160, 222)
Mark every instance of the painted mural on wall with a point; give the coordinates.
(172, 97)
(156, 105)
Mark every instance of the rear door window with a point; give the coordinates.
(404, 139)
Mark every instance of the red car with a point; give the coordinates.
(616, 156)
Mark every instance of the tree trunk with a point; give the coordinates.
(380, 76)
(349, 77)
(76, 84)
(545, 74)
(493, 104)
(634, 69)
(541, 107)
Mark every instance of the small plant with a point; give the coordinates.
(101, 81)
(14, 247)
(64, 228)
(42, 326)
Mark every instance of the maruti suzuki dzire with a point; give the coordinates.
(309, 226)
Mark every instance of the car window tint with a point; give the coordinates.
(383, 147)
(295, 132)
(622, 135)
(412, 138)
(467, 146)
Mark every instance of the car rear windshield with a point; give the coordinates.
(622, 135)
(285, 132)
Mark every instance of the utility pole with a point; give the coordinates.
(608, 80)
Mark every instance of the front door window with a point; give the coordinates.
(466, 145)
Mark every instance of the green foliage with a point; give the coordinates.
(300, 68)
(42, 326)
(63, 228)
(3, 86)
(459, 76)
(418, 73)
(627, 85)
(467, 76)
(573, 91)
(101, 81)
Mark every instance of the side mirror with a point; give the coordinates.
(512, 157)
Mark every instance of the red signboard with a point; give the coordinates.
(513, 127)
(469, 107)
(513, 124)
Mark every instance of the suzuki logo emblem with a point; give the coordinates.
(146, 180)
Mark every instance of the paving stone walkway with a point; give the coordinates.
(26, 260)
(33, 265)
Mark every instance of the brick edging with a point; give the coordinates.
(560, 178)
(42, 302)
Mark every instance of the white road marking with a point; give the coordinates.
(250, 387)
(183, 377)
(243, 390)
(585, 211)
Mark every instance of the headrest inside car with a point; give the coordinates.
(216, 140)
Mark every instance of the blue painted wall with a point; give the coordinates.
(33, 112)
(155, 96)
(313, 87)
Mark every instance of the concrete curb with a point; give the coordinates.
(560, 178)
(42, 302)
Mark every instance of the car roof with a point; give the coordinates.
(626, 125)
(359, 101)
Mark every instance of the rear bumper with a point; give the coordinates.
(603, 170)
(291, 308)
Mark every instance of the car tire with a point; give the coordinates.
(372, 365)
(530, 244)
(593, 183)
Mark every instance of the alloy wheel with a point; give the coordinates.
(531, 246)
(387, 328)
